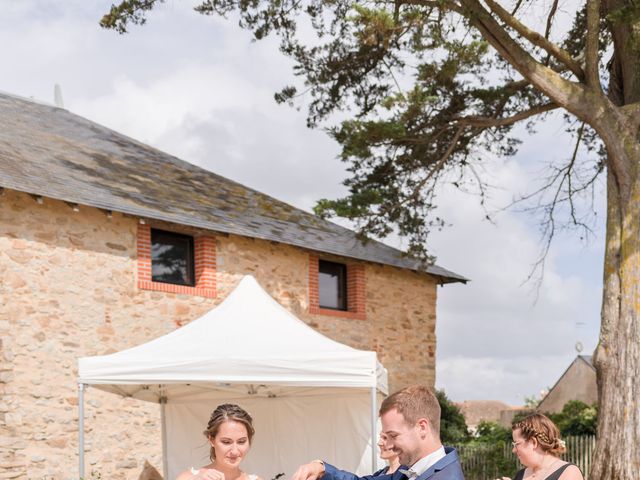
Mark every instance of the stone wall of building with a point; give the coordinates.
(69, 288)
(578, 382)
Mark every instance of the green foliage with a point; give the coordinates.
(488, 453)
(492, 433)
(521, 414)
(629, 13)
(453, 428)
(576, 418)
(531, 402)
(126, 11)
(427, 98)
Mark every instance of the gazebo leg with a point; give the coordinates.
(81, 429)
(374, 422)
(163, 421)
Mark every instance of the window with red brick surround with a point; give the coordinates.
(355, 292)
(205, 266)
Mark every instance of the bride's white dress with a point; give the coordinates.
(250, 476)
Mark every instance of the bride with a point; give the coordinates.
(229, 431)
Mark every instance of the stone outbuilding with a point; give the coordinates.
(106, 243)
(578, 382)
(477, 411)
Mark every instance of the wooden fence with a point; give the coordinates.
(488, 462)
(580, 451)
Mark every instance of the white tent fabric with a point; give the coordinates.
(289, 431)
(309, 395)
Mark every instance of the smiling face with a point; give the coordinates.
(230, 444)
(406, 441)
(385, 453)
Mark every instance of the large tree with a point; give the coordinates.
(432, 85)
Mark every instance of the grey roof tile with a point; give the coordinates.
(48, 151)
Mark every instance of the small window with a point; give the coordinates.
(332, 284)
(172, 258)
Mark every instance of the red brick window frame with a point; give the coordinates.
(205, 266)
(355, 292)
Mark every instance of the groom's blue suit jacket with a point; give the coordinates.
(447, 468)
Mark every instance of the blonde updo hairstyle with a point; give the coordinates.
(225, 413)
(541, 428)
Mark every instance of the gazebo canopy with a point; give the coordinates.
(309, 395)
(249, 339)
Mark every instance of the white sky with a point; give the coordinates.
(198, 88)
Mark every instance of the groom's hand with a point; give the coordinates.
(309, 471)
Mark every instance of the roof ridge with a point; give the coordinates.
(37, 101)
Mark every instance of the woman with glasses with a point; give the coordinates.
(537, 444)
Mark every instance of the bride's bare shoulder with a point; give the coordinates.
(188, 474)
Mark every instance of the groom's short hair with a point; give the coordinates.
(415, 402)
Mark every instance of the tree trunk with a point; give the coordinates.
(617, 357)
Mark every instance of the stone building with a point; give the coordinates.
(106, 243)
(477, 411)
(578, 382)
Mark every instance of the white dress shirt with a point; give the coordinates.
(425, 463)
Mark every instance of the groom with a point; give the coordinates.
(411, 428)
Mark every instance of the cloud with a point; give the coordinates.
(484, 377)
(198, 88)
(499, 338)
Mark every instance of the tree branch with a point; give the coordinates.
(537, 39)
(489, 122)
(547, 31)
(436, 167)
(552, 13)
(591, 54)
(433, 171)
(565, 93)
(516, 7)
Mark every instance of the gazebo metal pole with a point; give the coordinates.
(163, 421)
(81, 387)
(374, 421)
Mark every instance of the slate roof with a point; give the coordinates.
(48, 151)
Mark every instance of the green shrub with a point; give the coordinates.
(453, 428)
(576, 418)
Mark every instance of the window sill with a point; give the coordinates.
(337, 313)
(181, 289)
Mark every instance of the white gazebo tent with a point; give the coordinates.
(309, 396)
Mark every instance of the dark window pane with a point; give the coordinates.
(172, 258)
(332, 283)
